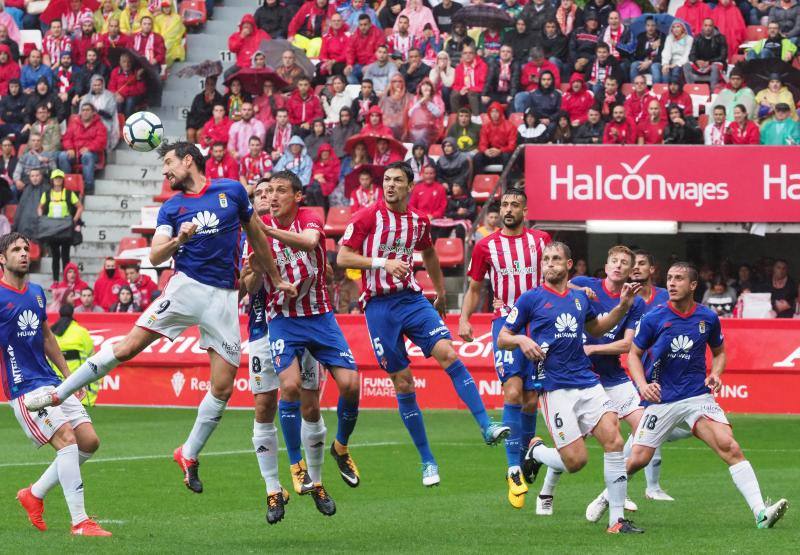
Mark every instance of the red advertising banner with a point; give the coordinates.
(763, 372)
(674, 183)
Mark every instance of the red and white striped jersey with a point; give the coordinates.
(514, 263)
(378, 232)
(304, 270)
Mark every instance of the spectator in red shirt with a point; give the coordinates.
(429, 196)
(333, 54)
(676, 95)
(497, 141)
(742, 130)
(375, 125)
(114, 38)
(637, 104)
(620, 130)
(54, 43)
(304, 106)
(216, 129)
(9, 69)
(221, 164)
(529, 79)
(127, 85)
(106, 288)
(85, 141)
(150, 44)
(361, 50)
(85, 39)
(367, 192)
(309, 24)
(141, 286)
(255, 166)
(651, 130)
(577, 100)
(246, 41)
(470, 78)
(694, 12)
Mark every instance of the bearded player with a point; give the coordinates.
(680, 389)
(199, 228)
(512, 256)
(27, 344)
(381, 241)
(307, 323)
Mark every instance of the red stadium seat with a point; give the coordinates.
(74, 182)
(516, 119)
(660, 88)
(425, 281)
(755, 32)
(10, 211)
(121, 121)
(164, 277)
(330, 245)
(483, 185)
(131, 242)
(627, 88)
(451, 119)
(193, 12)
(697, 89)
(702, 121)
(35, 252)
(338, 219)
(166, 193)
(435, 150)
(319, 211)
(450, 251)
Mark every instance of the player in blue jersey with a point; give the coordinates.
(680, 389)
(199, 227)
(27, 344)
(643, 273)
(574, 403)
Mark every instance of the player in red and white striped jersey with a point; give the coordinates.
(307, 323)
(381, 241)
(512, 256)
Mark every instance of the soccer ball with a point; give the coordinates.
(143, 131)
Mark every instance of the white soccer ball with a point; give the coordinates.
(143, 131)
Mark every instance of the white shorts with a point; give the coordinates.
(625, 398)
(263, 378)
(186, 302)
(40, 426)
(660, 419)
(571, 414)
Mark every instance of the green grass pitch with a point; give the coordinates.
(136, 491)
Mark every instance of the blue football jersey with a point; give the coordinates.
(556, 322)
(211, 256)
(257, 317)
(23, 366)
(658, 296)
(608, 367)
(677, 344)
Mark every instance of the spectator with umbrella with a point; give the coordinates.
(357, 156)
(457, 41)
(268, 103)
(776, 92)
(235, 97)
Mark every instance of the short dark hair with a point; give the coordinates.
(183, 149)
(367, 81)
(294, 181)
(135, 266)
(10, 238)
(516, 192)
(689, 267)
(218, 143)
(362, 17)
(602, 45)
(559, 245)
(254, 138)
(494, 207)
(279, 110)
(89, 289)
(647, 254)
(403, 167)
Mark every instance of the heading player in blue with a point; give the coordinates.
(199, 227)
(26, 339)
(573, 402)
(680, 389)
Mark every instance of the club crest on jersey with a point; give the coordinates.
(702, 326)
(40, 301)
(578, 304)
(223, 200)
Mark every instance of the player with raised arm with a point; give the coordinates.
(573, 402)
(27, 344)
(199, 227)
(307, 323)
(381, 241)
(680, 388)
(264, 384)
(512, 256)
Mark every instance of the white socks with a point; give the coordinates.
(652, 472)
(550, 481)
(95, 367)
(265, 442)
(550, 457)
(747, 484)
(69, 474)
(312, 435)
(49, 479)
(616, 478)
(513, 469)
(209, 414)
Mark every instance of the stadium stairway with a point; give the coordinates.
(131, 179)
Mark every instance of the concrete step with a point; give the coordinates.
(127, 186)
(90, 266)
(113, 217)
(42, 278)
(96, 249)
(134, 172)
(118, 202)
(94, 231)
(127, 156)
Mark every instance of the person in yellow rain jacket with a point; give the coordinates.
(76, 345)
(130, 19)
(169, 25)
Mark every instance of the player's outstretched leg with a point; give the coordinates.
(517, 488)
(347, 416)
(415, 424)
(313, 434)
(265, 444)
(527, 431)
(291, 423)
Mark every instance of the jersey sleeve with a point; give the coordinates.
(312, 221)
(425, 241)
(581, 281)
(243, 206)
(520, 315)
(357, 230)
(634, 314)
(591, 313)
(645, 332)
(165, 222)
(479, 263)
(715, 335)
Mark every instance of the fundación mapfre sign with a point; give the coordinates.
(679, 183)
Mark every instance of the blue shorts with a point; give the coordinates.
(319, 334)
(512, 363)
(408, 314)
